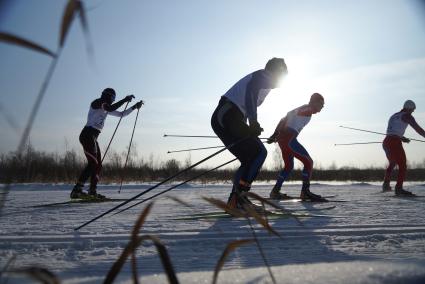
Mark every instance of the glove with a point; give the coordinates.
(138, 105)
(129, 98)
(255, 128)
(272, 139)
(405, 140)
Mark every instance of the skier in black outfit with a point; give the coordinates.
(229, 122)
(98, 111)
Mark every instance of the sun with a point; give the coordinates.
(295, 90)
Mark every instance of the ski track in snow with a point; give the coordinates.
(375, 233)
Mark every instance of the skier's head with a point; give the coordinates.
(277, 67)
(317, 102)
(409, 106)
(109, 95)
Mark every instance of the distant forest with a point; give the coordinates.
(38, 166)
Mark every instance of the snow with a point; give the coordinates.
(372, 238)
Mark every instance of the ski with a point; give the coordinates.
(80, 201)
(290, 198)
(310, 209)
(408, 196)
(270, 214)
(284, 210)
(298, 200)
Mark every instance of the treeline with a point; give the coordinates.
(38, 166)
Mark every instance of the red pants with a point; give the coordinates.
(396, 156)
(291, 149)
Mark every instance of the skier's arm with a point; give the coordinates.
(121, 113)
(280, 126)
(251, 98)
(117, 105)
(127, 111)
(412, 122)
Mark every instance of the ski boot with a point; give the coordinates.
(237, 200)
(232, 201)
(94, 195)
(386, 186)
(306, 194)
(77, 192)
(399, 191)
(276, 195)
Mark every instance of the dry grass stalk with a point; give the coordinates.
(165, 259)
(229, 248)
(134, 268)
(72, 7)
(178, 200)
(136, 229)
(9, 118)
(272, 204)
(250, 212)
(134, 243)
(39, 274)
(9, 263)
(260, 219)
(68, 15)
(260, 249)
(238, 213)
(223, 205)
(12, 39)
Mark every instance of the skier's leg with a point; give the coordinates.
(229, 124)
(288, 160)
(386, 145)
(89, 147)
(95, 176)
(401, 162)
(251, 153)
(301, 154)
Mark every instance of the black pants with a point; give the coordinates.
(229, 123)
(88, 138)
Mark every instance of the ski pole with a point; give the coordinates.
(129, 148)
(198, 136)
(174, 186)
(368, 131)
(194, 149)
(110, 141)
(158, 184)
(190, 136)
(358, 143)
(203, 148)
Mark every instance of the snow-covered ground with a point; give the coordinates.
(372, 238)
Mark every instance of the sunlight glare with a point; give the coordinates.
(295, 90)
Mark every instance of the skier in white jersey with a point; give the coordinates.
(99, 110)
(229, 122)
(286, 134)
(393, 147)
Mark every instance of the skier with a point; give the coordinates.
(286, 134)
(229, 122)
(98, 111)
(393, 147)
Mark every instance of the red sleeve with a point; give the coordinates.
(408, 118)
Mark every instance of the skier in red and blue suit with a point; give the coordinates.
(229, 122)
(286, 134)
(393, 147)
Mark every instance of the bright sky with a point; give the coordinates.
(366, 57)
